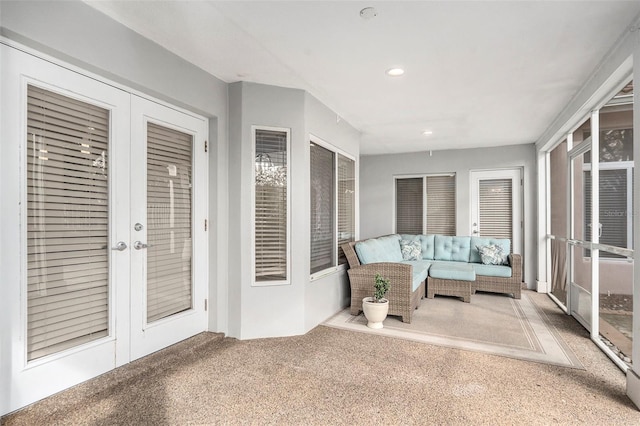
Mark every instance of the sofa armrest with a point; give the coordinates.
(515, 261)
(400, 277)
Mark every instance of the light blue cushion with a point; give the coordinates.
(381, 249)
(500, 271)
(427, 241)
(505, 243)
(420, 271)
(452, 248)
(452, 271)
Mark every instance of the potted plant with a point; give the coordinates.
(375, 308)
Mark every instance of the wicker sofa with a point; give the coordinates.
(460, 271)
(404, 296)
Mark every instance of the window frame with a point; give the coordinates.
(628, 166)
(287, 281)
(424, 177)
(337, 151)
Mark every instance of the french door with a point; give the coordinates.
(105, 195)
(496, 205)
(580, 273)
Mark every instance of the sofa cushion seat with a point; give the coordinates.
(420, 271)
(381, 249)
(501, 271)
(452, 271)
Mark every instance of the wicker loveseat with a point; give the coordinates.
(451, 266)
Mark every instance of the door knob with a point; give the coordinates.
(121, 246)
(139, 245)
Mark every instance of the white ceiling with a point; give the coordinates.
(477, 73)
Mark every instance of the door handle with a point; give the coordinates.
(474, 232)
(121, 246)
(139, 245)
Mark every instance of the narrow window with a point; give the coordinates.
(271, 236)
(323, 242)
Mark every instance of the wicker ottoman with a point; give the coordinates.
(451, 279)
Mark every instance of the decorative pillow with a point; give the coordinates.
(411, 250)
(492, 255)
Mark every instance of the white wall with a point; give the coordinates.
(377, 188)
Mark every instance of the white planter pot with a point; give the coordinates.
(375, 312)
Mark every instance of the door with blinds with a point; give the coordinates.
(65, 166)
(496, 205)
(104, 204)
(168, 201)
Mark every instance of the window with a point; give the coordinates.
(332, 198)
(426, 205)
(271, 206)
(616, 195)
(67, 229)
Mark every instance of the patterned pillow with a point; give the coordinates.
(492, 255)
(411, 250)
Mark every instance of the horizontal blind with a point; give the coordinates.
(169, 191)
(323, 243)
(496, 211)
(613, 209)
(271, 205)
(346, 204)
(441, 205)
(67, 222)
(409, 205)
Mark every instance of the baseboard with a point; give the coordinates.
(633, 387)
(542, 287)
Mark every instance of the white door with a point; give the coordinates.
(75, 292)
(65, 309)
(496, 205)
(169, 201)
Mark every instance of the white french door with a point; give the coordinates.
(104, 200)
(167, 213)
(496, 205)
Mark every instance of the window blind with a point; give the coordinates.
(346, 204)
(67, 222)
(614, 209)
(169, 162)
(323, 242)
(409, 205)
(271, 205)
(495, 205)
(441, 205)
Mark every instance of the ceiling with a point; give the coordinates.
(478, 73)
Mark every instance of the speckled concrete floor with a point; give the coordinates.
(331, 376)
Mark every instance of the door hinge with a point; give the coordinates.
(205, 304)
(521, 182)
(205, 224)
(206, 146)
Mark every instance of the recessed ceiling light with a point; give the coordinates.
(395, 72)
(427, 132)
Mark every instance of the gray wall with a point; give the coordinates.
(84, 37)
(377, 188)
(270, 310)
(261, 311)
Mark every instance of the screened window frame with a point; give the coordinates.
(287, 281)
(337, 151)
(424, 177)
